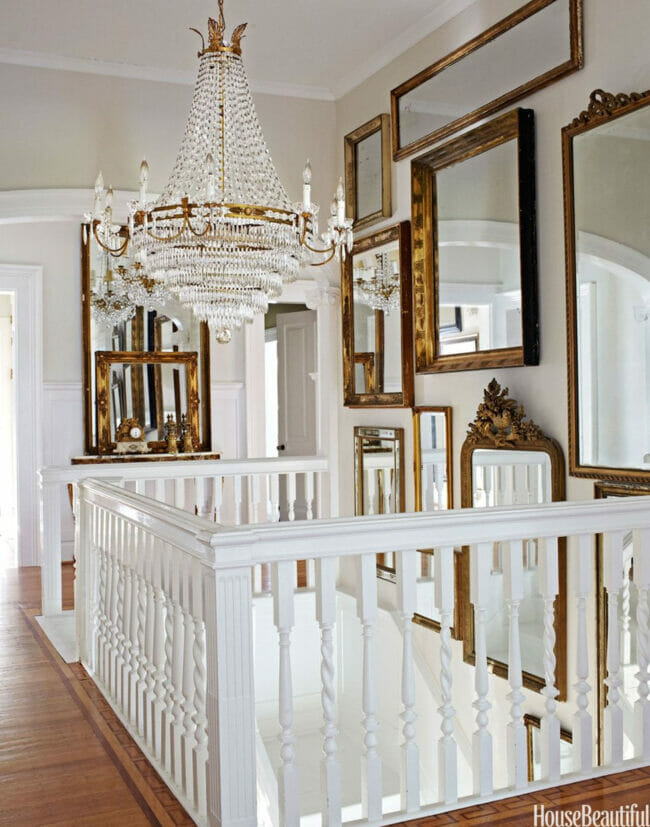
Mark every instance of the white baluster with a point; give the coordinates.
(142, 623)
(179, 493)
(371, 785)
(274, 494)
(291, 496)
(217, 498)
(309, 495)
(168, 711)
(443, 562)
(199, 496)
(582, 722)
(550, 725)
(158, 647)
(140, 487)
(480, 564)
(130, 604)
(189, 739)
(237, 488)
(326, 616)
(120, 628)
(177, 672)
(283, 613)
(513, 590)
(149, 639)
(256, 499)
(160, 490)
(626, 614)
(199, 717)
(112, 606)
(641, 557)
(406, 564)
(613, 582)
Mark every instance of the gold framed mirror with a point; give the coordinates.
(368, 172)
(627, 623)
(147, 388)
(160, 326)
(507, 459)
(378, 321)
(607, 204)
(433, 482)
(536, 44)
(379, 478)
(474, 211)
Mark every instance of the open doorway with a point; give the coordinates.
(8, 484)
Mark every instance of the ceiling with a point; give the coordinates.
(307, 48)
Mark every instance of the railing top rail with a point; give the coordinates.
(181, 468)
(345, 536)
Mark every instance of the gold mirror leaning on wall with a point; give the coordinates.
(379, 477)
(368, 172)
(508, 460)
(606, 153)
(378, 320)
(432, 469)
(534, 45)
(475, 249)
(148, 388)
(626, 615)
(152, 323)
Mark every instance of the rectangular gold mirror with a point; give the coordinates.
(475, 249)
(153, 325)
(508, 460)
(368, 173)
(432, 470)
(607, 210)
(377, 320)
(147, 388)
(534, 45)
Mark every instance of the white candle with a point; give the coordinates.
(306, 187)
(144, 178)
(340, 202)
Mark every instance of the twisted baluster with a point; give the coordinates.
(626, 614)
(188, 704)
(550, 725)
(120, 666)
(199, 718)
(102, 626)
(169, 680)
(513, 593)
(480, 562)
(613, 582)
(582, 723)
(641, 555)
(141, 657)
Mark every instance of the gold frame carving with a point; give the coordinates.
(517, 125)
(375, 399)
(88, 366)
(575, 62)
(501, 423)
(602, 490)
(602, 108)
(379, 124)
(103, 361)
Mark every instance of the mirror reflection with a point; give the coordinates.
(611, 196)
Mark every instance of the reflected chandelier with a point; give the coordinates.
(379, 286)
(223, 237)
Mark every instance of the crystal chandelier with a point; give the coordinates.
(379, 286)
(223, 237)
(109, 302)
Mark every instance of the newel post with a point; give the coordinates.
(230, 707)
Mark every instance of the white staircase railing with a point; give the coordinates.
(164, 613)
(230, 492)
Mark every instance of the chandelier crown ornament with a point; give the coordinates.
(224, 236)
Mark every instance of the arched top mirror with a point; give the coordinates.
(507, 459)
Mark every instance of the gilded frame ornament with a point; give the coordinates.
(375, 398)
(103, 361)
(138, 334)
(603, 107)
(575, 62)
(501, 423)
(517, 125)
(379, 124)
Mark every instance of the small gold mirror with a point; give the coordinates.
(377, 320)
(368, 173)
(507, 459)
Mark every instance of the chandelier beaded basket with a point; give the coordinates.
(223, 237)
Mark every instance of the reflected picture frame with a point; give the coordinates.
(383, 207)
(519, 126)
(508, 23)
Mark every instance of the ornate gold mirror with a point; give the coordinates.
(432, 470)
(475, 250)
(535, 44)
(368, 173)
(147, 388)
(379, 477)
(507, 459)
(122, 313)
(606, 152)
(626, 611)
(377, 320)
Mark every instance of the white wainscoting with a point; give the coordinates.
(62, 439)
(228, 419)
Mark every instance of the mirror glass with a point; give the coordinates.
(155, 325)
(611, 196)
(502, 65)
(377, 320)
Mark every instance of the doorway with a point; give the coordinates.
(8, 482)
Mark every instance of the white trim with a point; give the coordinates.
(26, 283)
(603, 251)
(25, 206)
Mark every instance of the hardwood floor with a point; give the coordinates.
(66, 760)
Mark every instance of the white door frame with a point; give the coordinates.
(25, 281)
